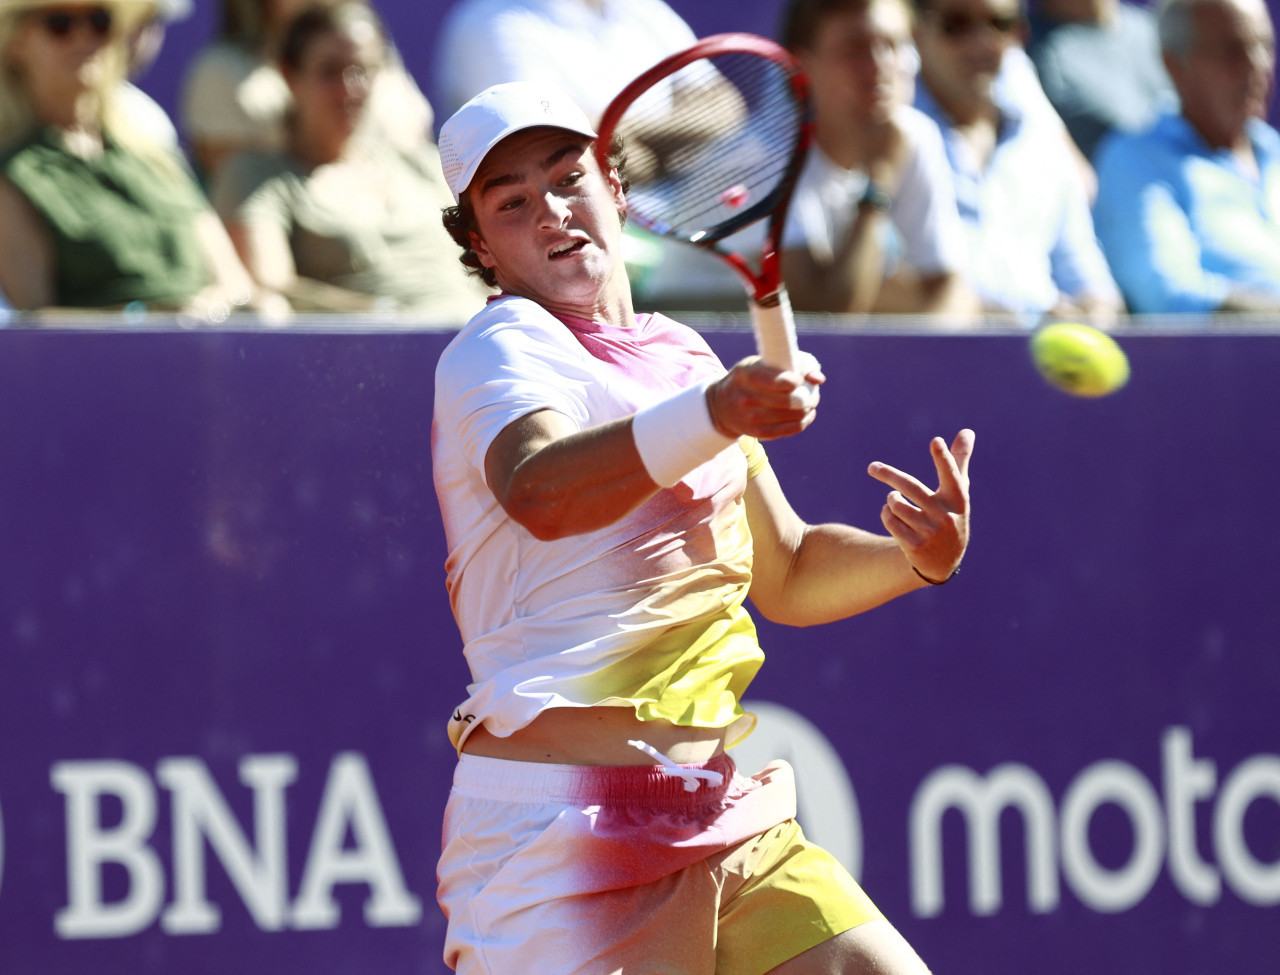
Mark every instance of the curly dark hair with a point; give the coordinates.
(460, 220)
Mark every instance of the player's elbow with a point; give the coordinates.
(783, 614)
(778, 606)
(537, 509)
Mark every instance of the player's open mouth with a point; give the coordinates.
(565, 249)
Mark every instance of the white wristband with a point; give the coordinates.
(676, 434)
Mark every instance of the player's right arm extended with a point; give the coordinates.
(557, 480)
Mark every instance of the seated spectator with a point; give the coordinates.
(1031, 249)
(341, 217)
(1187, 211)
(93, 213)
(1099, 63)
(588, 48)
(873, 225)
(234, 98)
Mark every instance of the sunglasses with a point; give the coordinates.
(61, 23)
(956, 25)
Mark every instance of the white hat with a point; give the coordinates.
(494, 114)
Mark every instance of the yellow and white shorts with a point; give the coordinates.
(584, 870)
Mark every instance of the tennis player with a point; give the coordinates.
(608, 510)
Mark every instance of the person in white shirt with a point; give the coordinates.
(873, 224)
(608, 508)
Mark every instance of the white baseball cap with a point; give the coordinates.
(494, 114)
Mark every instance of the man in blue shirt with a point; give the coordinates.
(1031, 248)
(1189, 211)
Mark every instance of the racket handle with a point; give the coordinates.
(775, 329)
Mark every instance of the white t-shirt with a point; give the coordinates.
(928, 233)
(590, 54)
(646, 612)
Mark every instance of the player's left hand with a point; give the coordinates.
(931, 526)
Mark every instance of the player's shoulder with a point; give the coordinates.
(503, 319)
(510, 311)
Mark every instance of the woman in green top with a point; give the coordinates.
(91, 214)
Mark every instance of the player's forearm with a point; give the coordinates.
(837, 571)
(577, 483)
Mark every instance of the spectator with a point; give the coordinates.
(1187, 211)
(1031, 246)
(1099, 63)
(588, 48)
(234, 97)
(94, 213)
(341, 218)
(873, 224)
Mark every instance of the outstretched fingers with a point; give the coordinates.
(953, 465)
(930, 526)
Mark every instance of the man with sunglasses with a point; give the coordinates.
(1031, 249)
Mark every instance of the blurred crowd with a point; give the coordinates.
(1082, 159)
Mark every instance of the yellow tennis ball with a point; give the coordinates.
(1079, 359)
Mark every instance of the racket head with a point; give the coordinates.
(725, 126)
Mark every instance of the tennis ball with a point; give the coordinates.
(1079, 359)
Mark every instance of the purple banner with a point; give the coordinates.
(227, 658)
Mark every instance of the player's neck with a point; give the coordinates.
(611, 309)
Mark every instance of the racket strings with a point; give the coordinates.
(710, 150)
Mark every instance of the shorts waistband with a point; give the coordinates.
(649, 786)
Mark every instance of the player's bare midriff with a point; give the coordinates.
(596, 736)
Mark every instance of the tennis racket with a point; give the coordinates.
(715, 137)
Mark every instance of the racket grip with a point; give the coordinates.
(775, 329)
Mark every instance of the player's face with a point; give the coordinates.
(962, 44)
(857, 61)
(548, 221)
(1226, 78)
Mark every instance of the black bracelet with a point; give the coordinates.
(933, 582)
